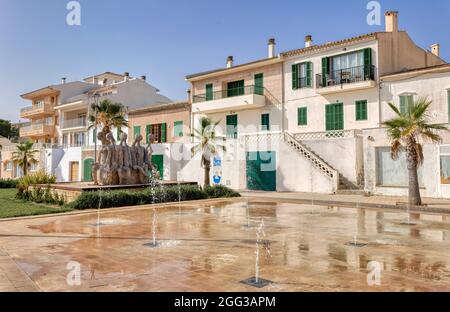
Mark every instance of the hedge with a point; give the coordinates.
(8, 183)
(114, 199)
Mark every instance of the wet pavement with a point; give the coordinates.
(211, 246)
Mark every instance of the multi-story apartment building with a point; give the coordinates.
(325, 95)
(58, 119)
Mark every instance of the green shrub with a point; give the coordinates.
(8, 183)
(112, 199)
(220, 192)
(39, 178)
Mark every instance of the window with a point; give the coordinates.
(361, 110)
(65, 140)
(265, 122)
(302, 116)
(136, 131)
(393, 173)
(9, 166)
(259, 84)
(209, 92)
(232, 131)
(78, 139)
(347, 61)
(406, 101)
(178, 129)
(235, 88)
(34, 166)
(334, 117)
(445, 165)
(148, 130)
(159, 132)
(302, 75)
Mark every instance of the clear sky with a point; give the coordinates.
(166, 40)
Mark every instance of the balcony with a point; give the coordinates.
(247, 97)
(37, 130)
(36, 110)
(348, 79)
(78, 123)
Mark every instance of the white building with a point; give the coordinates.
(384, 176)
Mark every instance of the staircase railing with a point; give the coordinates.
(313, 158)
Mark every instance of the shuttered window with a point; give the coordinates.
(178, 129)
(209, 92)
(361, 110)
(265, 122)
(148, 130)
(406, 101)
(334, 117)
(232, 131)
(259, 84)
(302, 116)
(302, 75)
(163, 133)
(136, 131)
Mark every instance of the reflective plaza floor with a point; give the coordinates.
(211, 246)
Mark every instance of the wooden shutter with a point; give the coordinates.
(265, 122)
(178, 129)
(368, 72)
(302, 116)
(325, 70)
(309, 74)
(147, 133)
(295, 76)
(209, 92)
(163, 133)
(259, 84)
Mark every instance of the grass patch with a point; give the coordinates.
(11, 207)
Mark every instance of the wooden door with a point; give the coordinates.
(74, 170)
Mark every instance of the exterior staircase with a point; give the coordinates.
(341, 183)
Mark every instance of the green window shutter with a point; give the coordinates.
(309, 74)
(232, 121)
(209, 92)
(368, 72)
(178, 129)
(302, 116)
(136, 131)
(325, 70)
(118, 133)
(163, 133)
(259, 84)
(406, 101)
(265, 122)
(147, 133)
(361, 110)
(295, 76)
(334, 117)
(235, 88)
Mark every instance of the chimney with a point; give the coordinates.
(63, 80)
(126, 76)
(144, 78)
(230, 61)
(436, 49)
(308, 41)
(271, 45)
(391, 21)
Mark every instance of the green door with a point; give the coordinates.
(261, 171)
(87, 171)
(334, 117)
(158, 162)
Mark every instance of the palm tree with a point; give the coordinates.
(24, 156)
(106, 115)
(209, 144)
(406, 131)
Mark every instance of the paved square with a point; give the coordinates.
(211, 246)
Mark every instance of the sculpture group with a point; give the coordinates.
(123, 164)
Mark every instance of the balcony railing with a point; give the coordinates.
(39, 129)
(39, 108)
(227, 93)
(346, 76)
(74, 123)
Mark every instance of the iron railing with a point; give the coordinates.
(346, 76)
(74, 123)
(227, 93)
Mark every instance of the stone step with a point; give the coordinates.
(350, 192)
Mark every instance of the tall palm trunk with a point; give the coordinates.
(25, 166)
(414, 188)
(207, 166)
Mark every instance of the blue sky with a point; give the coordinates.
(169, 39)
